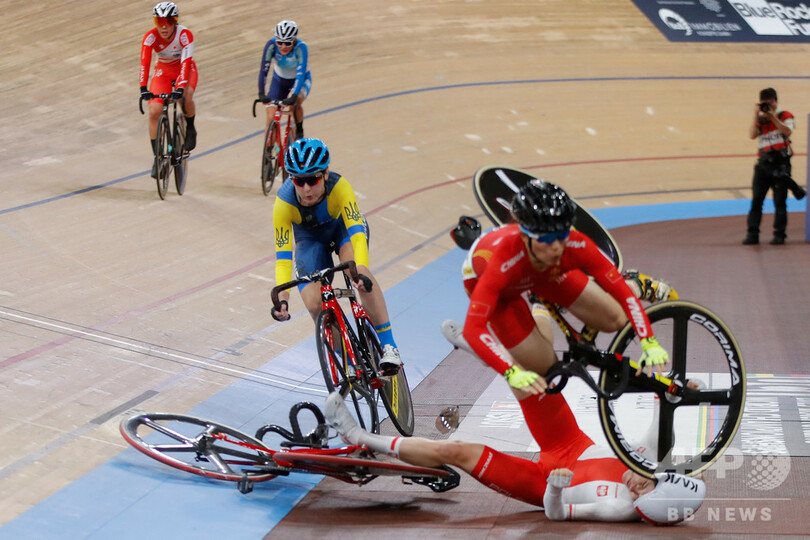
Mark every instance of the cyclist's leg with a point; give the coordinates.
(190, 108)
(161, 83)
(514, 326)
(374, 303)
(310, 255)
(279, 88)
(413, 450)
(592, 305)
(298, 112)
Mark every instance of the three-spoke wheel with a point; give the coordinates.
(694, 428)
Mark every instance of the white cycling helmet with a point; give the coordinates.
(166, 9)
(286, 31)
(675, 498)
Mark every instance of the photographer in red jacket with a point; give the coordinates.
(772, 128)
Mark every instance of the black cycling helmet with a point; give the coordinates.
(542, 207)
(466, 232)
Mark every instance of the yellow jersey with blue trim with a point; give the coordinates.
(337, 208)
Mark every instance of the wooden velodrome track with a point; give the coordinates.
(106, 291)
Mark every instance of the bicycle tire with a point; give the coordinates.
(339, 375)
(191, 436)
(270, 158)
(354, 469)
(689, 332)
(163, 153)
(395, 392)
(495, 186)
(180, 155)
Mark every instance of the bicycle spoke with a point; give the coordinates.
(680, 332)
(708, 397)
(204, 453)
(166, 431)
(666, 435)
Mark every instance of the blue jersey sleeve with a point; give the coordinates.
(267, 58)
(302, 55)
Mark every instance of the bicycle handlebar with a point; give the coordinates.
(276, 102)
(167, 98)
(573, 366)
(324, 275)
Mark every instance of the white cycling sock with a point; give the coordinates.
(383, 444)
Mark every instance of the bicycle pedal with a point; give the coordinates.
(245, 484)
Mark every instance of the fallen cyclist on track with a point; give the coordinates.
(573, 479)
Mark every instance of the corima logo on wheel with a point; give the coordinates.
(724, 342)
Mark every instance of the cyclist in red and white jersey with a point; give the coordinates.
(173, 44)
(573, 479)
(540, 254)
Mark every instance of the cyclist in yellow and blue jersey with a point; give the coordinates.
(316, 214)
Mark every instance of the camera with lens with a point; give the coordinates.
(765, 107)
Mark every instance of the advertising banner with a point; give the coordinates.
(729, 20)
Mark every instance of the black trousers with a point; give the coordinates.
(770, 172)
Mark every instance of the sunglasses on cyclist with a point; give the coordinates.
(311, 180)
(548, 238)
(165, 21)
(284, 43)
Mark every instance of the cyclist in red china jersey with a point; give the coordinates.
(173, 45)
(541, 255)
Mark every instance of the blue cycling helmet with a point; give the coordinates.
(306, 157)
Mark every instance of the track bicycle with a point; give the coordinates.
(213, 450)
(700, 405)
(276, 141)
(170, 146)
(350, 355)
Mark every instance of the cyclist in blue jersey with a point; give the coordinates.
(316, 211)
(291, 81)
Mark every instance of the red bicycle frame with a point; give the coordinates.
(329, 300)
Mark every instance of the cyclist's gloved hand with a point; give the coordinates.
(560, 478)
(290, 100)
(528, 381)
(363, 283)
(146, 95)
(652, 354)
(177, 94)
(283, 314)
(263, 98)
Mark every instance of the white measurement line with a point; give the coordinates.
(160, 351)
